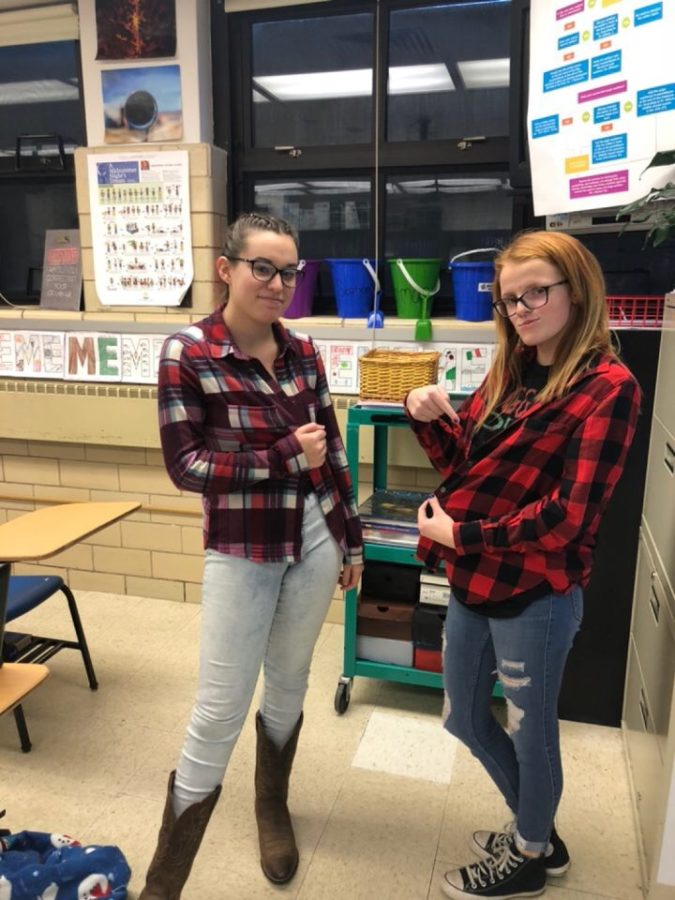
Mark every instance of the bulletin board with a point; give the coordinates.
(602, 101)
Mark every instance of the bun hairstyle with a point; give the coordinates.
(238, 232)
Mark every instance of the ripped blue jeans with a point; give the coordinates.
(528, 652)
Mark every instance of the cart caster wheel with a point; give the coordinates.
(342, 697)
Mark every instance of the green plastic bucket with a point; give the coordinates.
(414, 280)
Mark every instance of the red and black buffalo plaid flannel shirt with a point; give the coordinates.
(528, 508)
(226, 430)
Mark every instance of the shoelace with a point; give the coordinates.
(503, 837)
(492, 870)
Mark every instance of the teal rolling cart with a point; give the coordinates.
(381, 419)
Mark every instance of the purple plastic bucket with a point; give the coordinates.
(301, 304)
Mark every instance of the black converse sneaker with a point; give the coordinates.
(501, 877)
(490, 843)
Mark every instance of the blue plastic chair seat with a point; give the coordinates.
(25, 592)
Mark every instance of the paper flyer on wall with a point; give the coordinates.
(474, 363)
(81, 356)
(134, 358)
(32, 354)
(140, 220)
(462, 367)
(448, 366)
(342, 367)
(601, 101)
(340, 360)
(139, 357)
(322, 347)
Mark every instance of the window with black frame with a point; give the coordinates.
(328, 212)
(40, 95)
(448, 72)
(441, 217)
(320, 208)
(41, 124)
(312, 81)
(381, 130)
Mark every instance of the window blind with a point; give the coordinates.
(36, 25)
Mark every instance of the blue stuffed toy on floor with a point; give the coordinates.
(35, 865)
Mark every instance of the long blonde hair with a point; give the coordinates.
(586, 333)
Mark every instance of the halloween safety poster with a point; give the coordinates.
(602, 101)
(140, 221)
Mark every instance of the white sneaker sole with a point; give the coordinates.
(482, 853)
(457, 894)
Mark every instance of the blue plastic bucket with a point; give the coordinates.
(354, 286)
(472, 286)
(303, 297)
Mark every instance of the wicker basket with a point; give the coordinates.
(390, 374)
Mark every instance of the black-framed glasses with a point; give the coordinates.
(532, 298)
(263, 270)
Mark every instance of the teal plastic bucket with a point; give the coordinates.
(472, 286)
(354, 284)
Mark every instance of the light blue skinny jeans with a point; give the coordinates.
(253, 615)
(528, 652)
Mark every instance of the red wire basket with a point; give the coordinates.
(635, 312)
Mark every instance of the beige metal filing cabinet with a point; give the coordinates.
(649, 701)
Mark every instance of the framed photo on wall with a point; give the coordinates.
(135, 29)
(142, 104)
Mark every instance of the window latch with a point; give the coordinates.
(293, 152)
(467, 142)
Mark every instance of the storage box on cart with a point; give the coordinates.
(384, 650)
(429, 660)
(391, 582)
(377, 617)
(434, 588)
(384, 631)
(427, 631)
(427, 626)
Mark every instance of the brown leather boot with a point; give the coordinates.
(278, 852)
(177, 845)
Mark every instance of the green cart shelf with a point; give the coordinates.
(381, 419)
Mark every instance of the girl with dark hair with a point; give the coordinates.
(246, 420)
(529, 463)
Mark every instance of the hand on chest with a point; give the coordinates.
(257, 410)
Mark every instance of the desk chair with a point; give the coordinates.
(16, 680)
(24, 593)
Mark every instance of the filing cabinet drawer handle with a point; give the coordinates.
(655, 605)
(644, 712)
(669, 458)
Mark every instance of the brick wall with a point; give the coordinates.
(157, 551)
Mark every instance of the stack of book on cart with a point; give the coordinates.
(390, 517)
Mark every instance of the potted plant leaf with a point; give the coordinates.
(657, 207)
